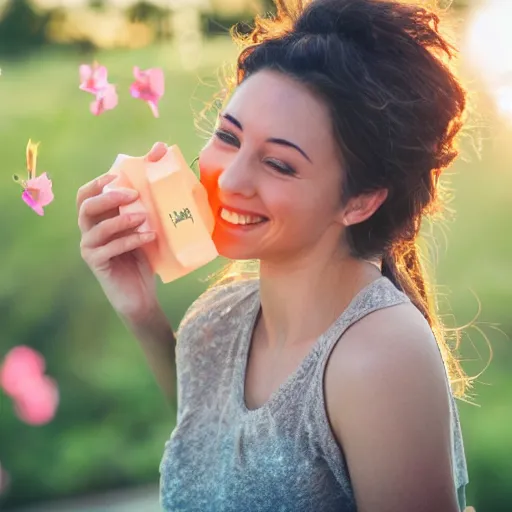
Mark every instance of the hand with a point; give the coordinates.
(112, 248)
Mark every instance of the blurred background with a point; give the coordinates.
(102, 450)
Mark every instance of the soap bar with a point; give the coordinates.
(177, 209)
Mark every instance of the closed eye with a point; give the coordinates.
(227, 137)
(280, 167)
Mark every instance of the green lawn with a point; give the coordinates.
(112, 422)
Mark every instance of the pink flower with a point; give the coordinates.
(148, 86)
(93, 78)
(38, 403)
(35, 395)
(106, 99)
(20, 365)
(37, 190)
(38, 193)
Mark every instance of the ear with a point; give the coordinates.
(362, 207)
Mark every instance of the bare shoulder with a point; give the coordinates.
(392, 343)
(390, 351)
(387, 400)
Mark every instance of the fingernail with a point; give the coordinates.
(150, 235)
(137, 217)
(129, 193)
(106, 178)
(144, 227)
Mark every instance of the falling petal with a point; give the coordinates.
(106, 99)
(154, 108)
(157, 81)
(20, 364)
(38, 193)
(149, 86)
(38, 404)
(93, 78)
(30, 201)
(110, 98)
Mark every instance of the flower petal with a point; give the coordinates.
(135, 90)
(149, 86)
(96, 107)
(85, 72)
(38, 404)
(110, 98)
(20, 364)
(157, 81)
(93, 78)
(154, 108)
(99, 76)
(38, 193)
(106, 99)
(138, 73)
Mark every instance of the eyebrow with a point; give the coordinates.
(234, 121)
(281, 142)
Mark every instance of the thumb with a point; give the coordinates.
(157, 152)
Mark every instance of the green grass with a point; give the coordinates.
(112, 422)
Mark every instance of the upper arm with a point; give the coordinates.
(388, 403)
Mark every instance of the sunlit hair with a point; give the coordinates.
(383, 69)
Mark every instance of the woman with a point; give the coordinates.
(318, 386)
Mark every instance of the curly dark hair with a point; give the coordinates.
(383, 69)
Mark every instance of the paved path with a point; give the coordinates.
(135, 500)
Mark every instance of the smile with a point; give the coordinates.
(240, 219)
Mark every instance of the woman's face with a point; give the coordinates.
(279, 177)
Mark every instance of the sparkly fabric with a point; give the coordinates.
(281, 457)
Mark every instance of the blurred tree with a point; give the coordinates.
(97, 4)
(147, 12)
(143, 11)
(22, 27)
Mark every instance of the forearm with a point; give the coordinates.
(158, 343)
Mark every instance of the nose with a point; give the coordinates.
(236, 178)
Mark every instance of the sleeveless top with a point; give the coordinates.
(281, 457)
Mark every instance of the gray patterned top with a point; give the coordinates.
(281, 457)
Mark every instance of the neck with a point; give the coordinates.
(301, 299)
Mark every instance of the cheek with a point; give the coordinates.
(210, 168)
(302, 211)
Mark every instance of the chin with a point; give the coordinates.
(233, 251)
(236, 244)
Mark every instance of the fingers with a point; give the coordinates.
(93, 188)
(94, 207)
(157, 152)
(105, 231)
(99, 257)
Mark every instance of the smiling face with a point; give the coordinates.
(279, 176)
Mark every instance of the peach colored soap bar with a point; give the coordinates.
(177, 208)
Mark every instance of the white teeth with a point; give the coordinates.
(238, 218)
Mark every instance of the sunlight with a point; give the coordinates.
(489, 47)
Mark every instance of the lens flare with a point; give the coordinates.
(489, 48)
